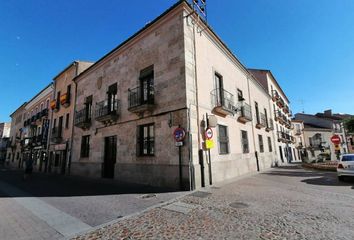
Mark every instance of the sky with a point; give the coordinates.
(307, 44)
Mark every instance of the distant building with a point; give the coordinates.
(318, 130)
(4, 140)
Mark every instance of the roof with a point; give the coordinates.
(23, 105)
(69, 66)
(50, 84)
(310, 125)
(261, 76)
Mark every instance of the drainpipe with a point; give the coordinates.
(200, 150)
(253, 136)
(49, 130)
(73, 115)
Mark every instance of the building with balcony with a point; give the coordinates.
(4, 140)
(34, 131)
(320, 128)
(298, 134)
(171, 74)
(62, 112)
(281, 113)
(14, 150)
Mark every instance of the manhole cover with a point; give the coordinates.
(238, 205)
(147, 196)
(200, 194)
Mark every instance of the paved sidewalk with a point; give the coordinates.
(285, 203)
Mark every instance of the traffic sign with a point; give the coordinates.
(208, 133)
(179, 134)
(336, 147)
(209, 143)
(335, 139)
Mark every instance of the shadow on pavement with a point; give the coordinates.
(314, 177)
(51, 185)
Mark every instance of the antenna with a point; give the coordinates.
(302, 105)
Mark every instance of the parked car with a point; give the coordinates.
(345, 166)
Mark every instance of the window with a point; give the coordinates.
(240, 95)
(88, 107)
(270, 144)
(266, 117)
(223, 140)
(68, 90)
(47, 104)
(147, 85)
(244, 142)
(260, 141)
(112, 97)
(219, 89)
(60, 126)
(257, 112)
(145, 140)
(67, 121)
(58, 100)
(85, 146)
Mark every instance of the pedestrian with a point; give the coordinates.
(28, 168)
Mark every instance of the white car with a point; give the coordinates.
(345, 166)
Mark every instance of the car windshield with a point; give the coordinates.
(348, 158)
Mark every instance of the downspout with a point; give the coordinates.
(50, 130)
(200, 150)
(73, 115)
(253, 133)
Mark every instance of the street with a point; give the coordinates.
(284, 203)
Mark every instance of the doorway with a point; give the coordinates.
(281, 154)
(110, 154)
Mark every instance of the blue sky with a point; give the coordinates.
(307, 44)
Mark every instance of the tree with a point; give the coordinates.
(349, 124)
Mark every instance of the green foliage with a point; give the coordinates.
(349, 124)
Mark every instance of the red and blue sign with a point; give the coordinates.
(179, 134)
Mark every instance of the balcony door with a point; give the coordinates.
(146, 85)
(219, 89)
(110, 154)
(112, 98)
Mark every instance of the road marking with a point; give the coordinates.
(62, 222)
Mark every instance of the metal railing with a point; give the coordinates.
(141, 95)
(246, 111)
(106, 107)
(82, 116)
(270, 124)
(222, 98)
(263, 119)
(56, 132)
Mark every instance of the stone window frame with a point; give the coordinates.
(149, 138)
(85, 146)
(223, 140)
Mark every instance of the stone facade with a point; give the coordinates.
(61, 127)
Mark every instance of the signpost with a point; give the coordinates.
(208, 133)
(179, 134)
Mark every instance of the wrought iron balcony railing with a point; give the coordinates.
(222, 101)
(245, 113)
(83, 118)
(141, 98)
(107, 110)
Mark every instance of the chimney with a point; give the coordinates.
(328, 113)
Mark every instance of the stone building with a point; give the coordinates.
(14, 150)
(175, 72)
(298, 133)
(318, 131)
(61, 126)
(34, 132)
(282, 115)
(4, 140)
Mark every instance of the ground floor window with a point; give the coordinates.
(85, 146)
(223, 140)
(146, 140)
(260, 141)
(244, 142)
(270, 144)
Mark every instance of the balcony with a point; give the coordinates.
(261, 121)
(297, 132)
(141, 99)
(245, 113)
(44, 112)
(222, 102)
(299, 145)
(281, 136)
(278, 116)
(270, 126)
(286, 109)
(275, 95)
(83, 118)
(54, 105)
(65, 99)
(106, 112)
(25, 123)
(56, 135)
(337, 130)
(280, 102)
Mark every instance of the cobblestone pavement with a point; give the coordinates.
(285, 203)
